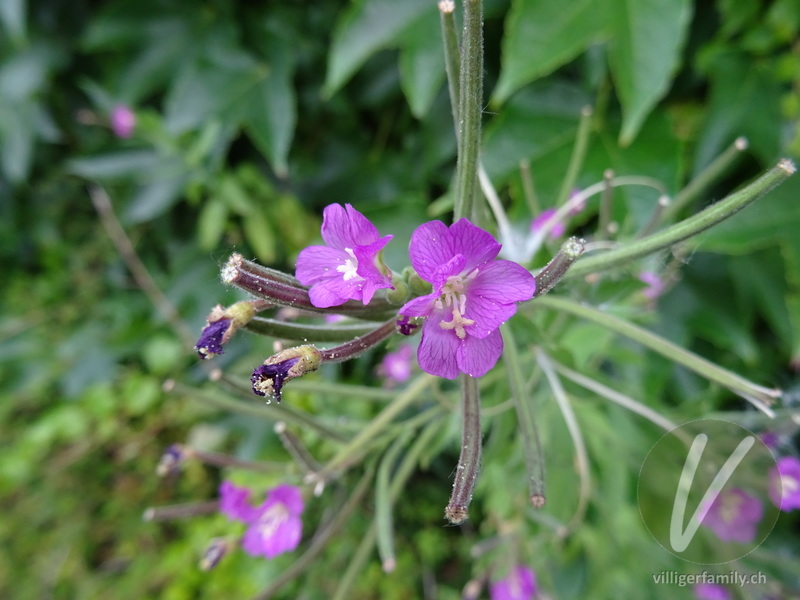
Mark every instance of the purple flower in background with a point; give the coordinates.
(733, 516)
(234, 502)
(655, 285)
(520, 584)
(396, 366)
(275, 527)
(558, 228)
(710, 591)
(123, 121)
(784, 489)
(473, 295)
(350, 266)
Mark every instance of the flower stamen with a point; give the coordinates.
(350, 267)
(458, 323)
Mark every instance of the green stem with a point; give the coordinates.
(451, 58)
(756, 394)
(383, 503)
(718, 167)
(581, 456)
(469, 462)
(403, 400)
(578, 155)
(273, 412)
(410, 460)
(527, 419)
(305, 331)
(469, 110)
(692, 226)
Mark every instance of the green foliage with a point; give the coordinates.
(250, 118)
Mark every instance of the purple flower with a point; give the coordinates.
(350, 266)
(784, 489)
(473, 295)
(123, 121)
(275, 527)
(268, 379)
(655, 285)
(520, 584)
(212, 338)
(171, 461)
(396, 366)
(733, 516)
(234, 502)
(405, 326)
(558, 228)
(710, 591)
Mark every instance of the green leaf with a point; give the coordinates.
(272, 115)
(537, 123)
(744, 101)
(422, 64)
(12, 17)
(211, 223)
(542, 35)
(260, 236)
(363, 29)
(644, 52)
(116, 164)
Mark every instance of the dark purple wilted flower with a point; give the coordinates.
(558, 228)
(473, 295)
(221, 324)
(710, 591)
(733, 516)
(520, 584)
(123, 121)
(784, 489)
(275, 527)
(269, 378)
(349, 267)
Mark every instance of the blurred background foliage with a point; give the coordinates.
(250, 118)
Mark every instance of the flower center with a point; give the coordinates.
(271, 519)
(350, 266)
(790, 485)
(731, 508)
(454, 297)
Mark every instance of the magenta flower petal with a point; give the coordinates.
(319, 263)
(556, 231)
(275, 527)
(396, 366)
(784, 489)
(520, 584)
(473, 295)
(234, 502)
(419, 307)
(437, 351)
(734, 515)
(350, 266)
(123, 121)
(476, 356)
(710, 591)
(346, 227)
(430, 247)
(503, 281)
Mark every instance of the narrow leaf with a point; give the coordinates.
(644, 52)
